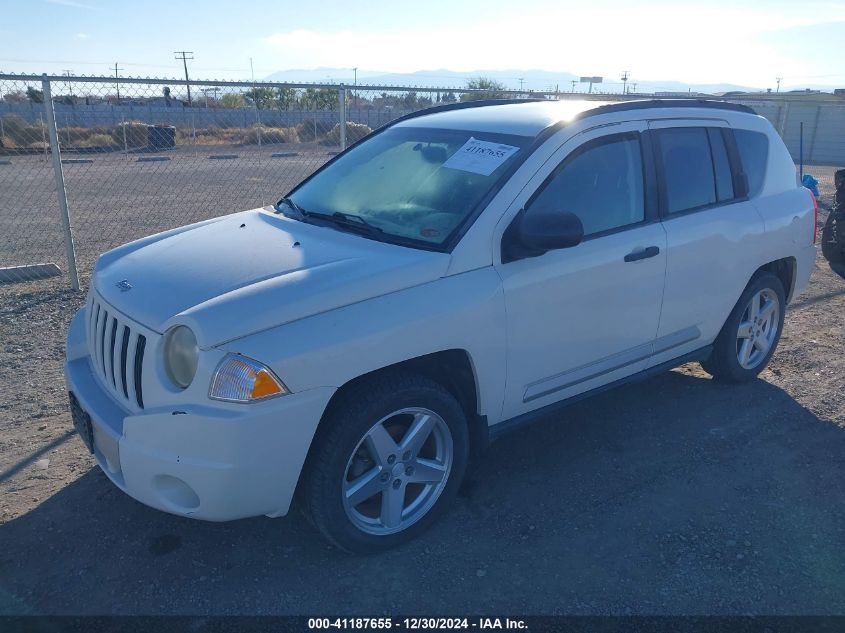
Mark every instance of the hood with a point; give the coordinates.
(251, 271)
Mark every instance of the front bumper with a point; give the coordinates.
(208, 461)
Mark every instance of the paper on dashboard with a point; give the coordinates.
(480, 157)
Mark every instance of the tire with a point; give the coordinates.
(730, 361)
(398, 438)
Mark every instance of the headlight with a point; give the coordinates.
(180, 355)
(241, 379)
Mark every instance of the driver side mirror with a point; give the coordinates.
(532, 234)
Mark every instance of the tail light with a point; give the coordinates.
(815, 216)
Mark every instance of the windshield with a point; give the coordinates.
(417, 184)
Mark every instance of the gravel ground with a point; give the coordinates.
(673, 496)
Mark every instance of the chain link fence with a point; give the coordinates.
(89, 163)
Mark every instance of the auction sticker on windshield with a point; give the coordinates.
(480, 157)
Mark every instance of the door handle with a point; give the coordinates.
(644, 253)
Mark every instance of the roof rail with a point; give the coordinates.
(621, 106)
(646, 104)
(462, 105)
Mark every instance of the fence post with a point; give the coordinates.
(60, 183)
(813, 136)
(784, 120)
(341, 93)
(43, 129)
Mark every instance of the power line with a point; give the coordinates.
(183, 55)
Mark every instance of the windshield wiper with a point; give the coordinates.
(349, 220)
(290, 203)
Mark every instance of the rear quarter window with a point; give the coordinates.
(754, 154)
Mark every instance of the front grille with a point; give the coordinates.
(117, 352)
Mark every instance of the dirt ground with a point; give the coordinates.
(673, 496)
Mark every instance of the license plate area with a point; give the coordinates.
(82, 422)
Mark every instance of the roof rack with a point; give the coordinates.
(462, 105)
(621, 106)
(645, 104)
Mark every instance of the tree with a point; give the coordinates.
(233, 100)
(285, 98)
(448, 97)
(14, 97)
(36, 96)
(490, 89)
(306, 98)
(260, 97)
(327, 99)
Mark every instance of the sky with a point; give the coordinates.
(746, 42)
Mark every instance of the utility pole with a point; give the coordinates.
(625, 75)
(355, 83)
(573, 82)
(255, 100)
(521, 81)
(183, 55)
(778, 79)
(68, 73)
(117, 83)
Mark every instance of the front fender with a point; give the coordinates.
(465, 311)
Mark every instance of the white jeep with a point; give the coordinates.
(460, 272)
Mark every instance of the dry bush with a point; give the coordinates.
(305, 130)
(97, 140)
(270, 135)
(73, 136)
(15, 131)
(213, 135)
(354, 133)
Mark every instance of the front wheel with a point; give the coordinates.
(750, 335)
(389, 459)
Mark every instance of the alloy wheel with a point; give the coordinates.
(398, 470)
(758, 328)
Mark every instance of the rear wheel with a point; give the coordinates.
(390, 458)
(751, 333)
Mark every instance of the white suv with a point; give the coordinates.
(458, 273)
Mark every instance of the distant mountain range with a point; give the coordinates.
(515, 79)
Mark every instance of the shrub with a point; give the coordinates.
(354, 133)
(212, 135)
(97, 140)
(73, 136)
(270, 135)
(14, 129)
(305, 130)
(233, 100)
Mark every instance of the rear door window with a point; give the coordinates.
(687, 168)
